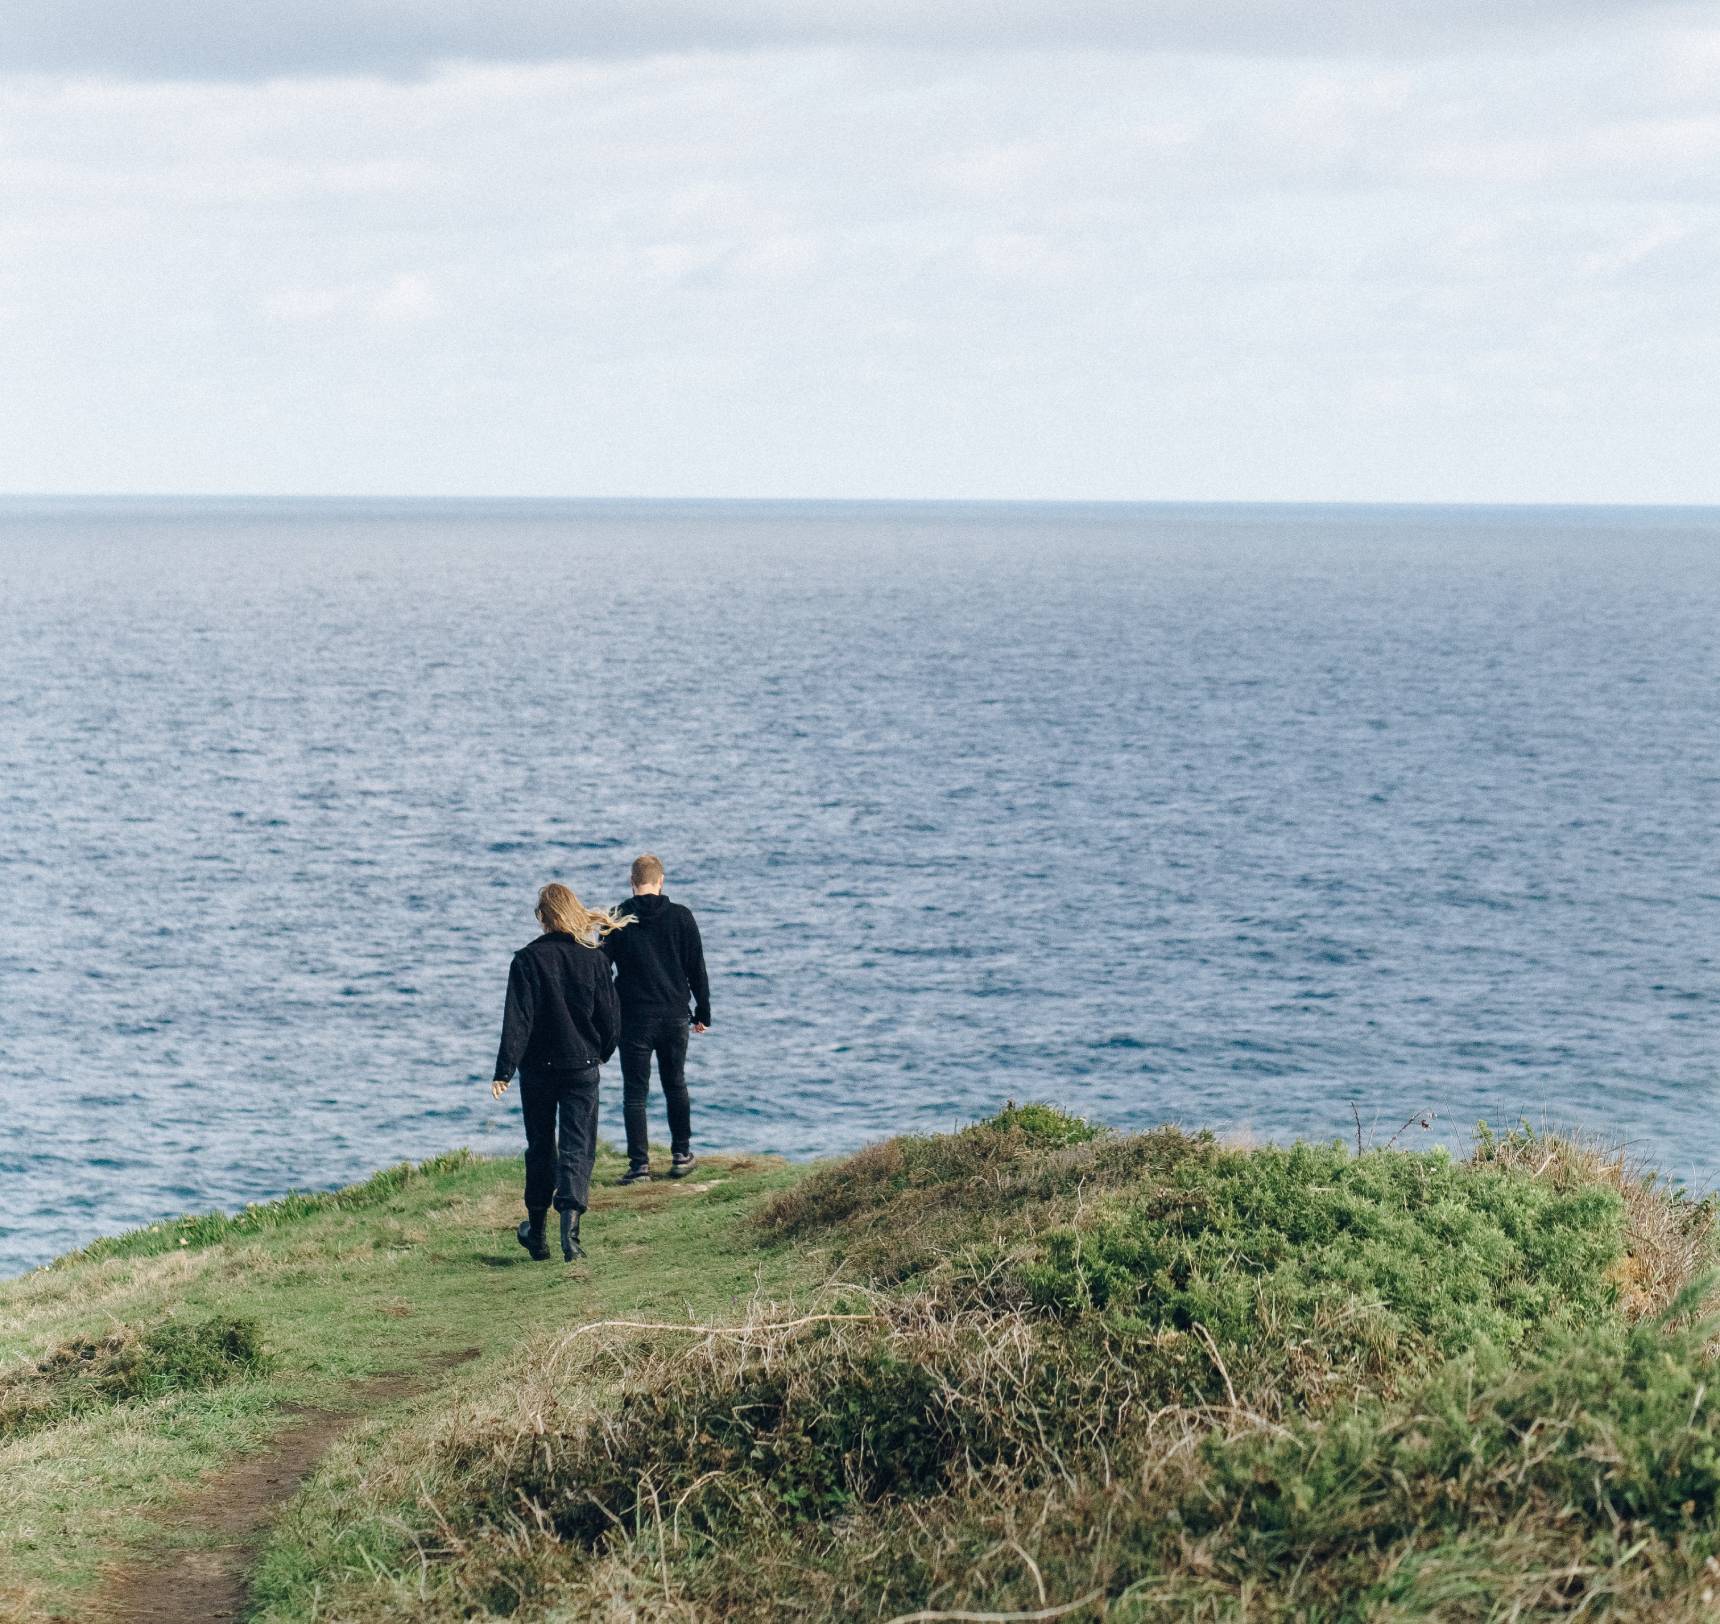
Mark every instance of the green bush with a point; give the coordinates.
(1040, 1125)
(181, 1355)
(1369, 1265)
(837, 1422)
(935, 1187)
(1606, 1433)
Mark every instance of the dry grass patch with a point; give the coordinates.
(35, 1306)
(1670, 1240)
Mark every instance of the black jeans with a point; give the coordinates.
(559, 1169)
(666, 1037)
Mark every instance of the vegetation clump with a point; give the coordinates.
(88, 1373)
(1316, 1272)
(896, 1207)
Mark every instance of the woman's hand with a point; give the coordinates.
(498, 1088)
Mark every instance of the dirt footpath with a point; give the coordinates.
(231, 1514)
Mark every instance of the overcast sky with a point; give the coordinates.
(1205, 249)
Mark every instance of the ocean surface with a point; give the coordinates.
(1242, 817)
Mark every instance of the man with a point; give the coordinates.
(559, 1026)
(659, 963)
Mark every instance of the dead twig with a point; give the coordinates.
(1212, 1348)
(712, 1330)
(741, 1333)
(1421, 1119)
(1032, 1567)
(998, 1618)
(662, 1549)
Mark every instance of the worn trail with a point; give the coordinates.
(207, 1582)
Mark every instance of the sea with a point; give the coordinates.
(1285, 822)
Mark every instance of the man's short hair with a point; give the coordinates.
(647, 870)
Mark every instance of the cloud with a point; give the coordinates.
(403, 301)
(218, 39)
(782, 272)
(308, 304)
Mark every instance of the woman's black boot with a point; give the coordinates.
(570, 1247)
(531, 1235)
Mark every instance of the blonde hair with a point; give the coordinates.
(647, 870)
(559, 909)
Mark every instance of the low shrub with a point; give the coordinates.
(180, 1355)
(1670, 1237)
(1039, 1124)
(1313, 1271)
(896, 1208)
(847, 1421)
(963, 1168)
(1602, 1443)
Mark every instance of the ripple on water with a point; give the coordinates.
(1231, 817)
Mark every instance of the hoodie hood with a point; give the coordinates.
(646, 905)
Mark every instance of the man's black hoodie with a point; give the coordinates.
(561, 1008)
(659, 960)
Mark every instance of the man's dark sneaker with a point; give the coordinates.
(633, 1175)
(531, 1236)
(570, 1247)
(682, 1164)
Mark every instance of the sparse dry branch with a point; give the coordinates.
(1060, 1611)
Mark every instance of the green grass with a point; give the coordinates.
(139, 1366)
(1029, 1365)
(199, 1230)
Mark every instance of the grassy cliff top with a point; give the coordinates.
(1030, 1369)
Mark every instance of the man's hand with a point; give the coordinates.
(498, 1088)
(699, 1028)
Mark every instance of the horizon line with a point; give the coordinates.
(329, 498)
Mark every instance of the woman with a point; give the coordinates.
(560, 1025)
